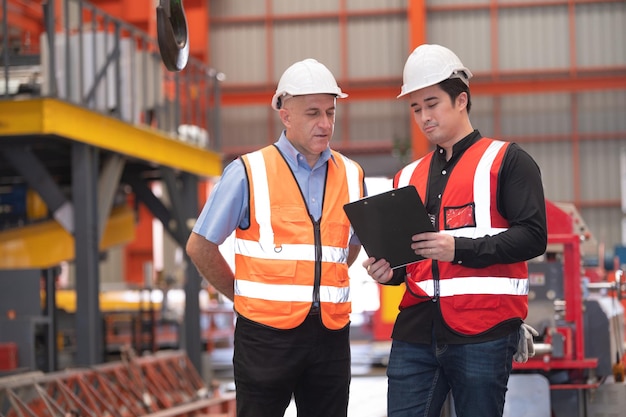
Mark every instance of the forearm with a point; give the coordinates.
(211, 265)
(514, 245)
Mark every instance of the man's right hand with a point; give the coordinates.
(379, 270)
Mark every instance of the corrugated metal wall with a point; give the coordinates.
(574, 131)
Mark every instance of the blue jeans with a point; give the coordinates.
(420, 377)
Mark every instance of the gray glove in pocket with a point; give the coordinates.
(525, 347)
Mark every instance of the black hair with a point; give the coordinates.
(455, 86)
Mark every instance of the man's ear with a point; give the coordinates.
(284, 116)
(461, 100)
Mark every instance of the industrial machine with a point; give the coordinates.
(578, 311)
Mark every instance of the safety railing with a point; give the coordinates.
(91, 59)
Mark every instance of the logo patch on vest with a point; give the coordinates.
(459, 217)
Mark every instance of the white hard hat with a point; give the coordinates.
(306, 77)
(429, 65)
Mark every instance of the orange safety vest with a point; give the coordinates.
(473, 300)
(285, 260)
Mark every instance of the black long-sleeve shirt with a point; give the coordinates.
(520, 200)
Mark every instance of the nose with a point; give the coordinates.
(326, 121)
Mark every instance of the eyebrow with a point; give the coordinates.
(426, 100)
(319, 108)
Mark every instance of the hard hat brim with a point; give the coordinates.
(282, 93)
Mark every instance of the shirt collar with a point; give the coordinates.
(294, 156)
(459, 147)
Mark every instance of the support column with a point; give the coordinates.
(89, 344)
(191, 328)
(416, 13)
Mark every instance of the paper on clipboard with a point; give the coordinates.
(385, 223)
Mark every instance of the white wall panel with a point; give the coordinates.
(467, 34)
(533, 38)
(291, 6)
(246, 125)
(377, 47)
(604, 224)
(455, 2)
(239, 51)
(599, 169)
(602, 111)
(482, 114)
(601, 34)
(375, 121)
(295, 41)
(374, 4)
(555, 161)
(536, 114)
(525, 2)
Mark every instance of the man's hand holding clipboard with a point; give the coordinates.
(396, 230)
(386, 223)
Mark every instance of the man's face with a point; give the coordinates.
(309, 121)
(438, 117)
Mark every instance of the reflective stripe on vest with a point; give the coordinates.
(283, 292)
(476, 285)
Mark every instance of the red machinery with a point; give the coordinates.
(580, 348)
(565, 233)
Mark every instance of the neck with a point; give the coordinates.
(449, 146)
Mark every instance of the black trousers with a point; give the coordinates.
(310, 363)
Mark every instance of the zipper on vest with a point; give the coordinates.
(436, 289)
(318, 266)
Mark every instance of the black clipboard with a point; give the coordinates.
(385, 223)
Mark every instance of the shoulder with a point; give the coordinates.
(338, 157)
(519, 165)
(516, 154)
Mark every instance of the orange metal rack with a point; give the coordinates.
(162, 385)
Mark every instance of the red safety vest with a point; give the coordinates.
(473, 300)
(276, 257)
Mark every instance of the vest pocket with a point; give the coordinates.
(338, 234)
(459, 217)
(340, 309)
(274, 272)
